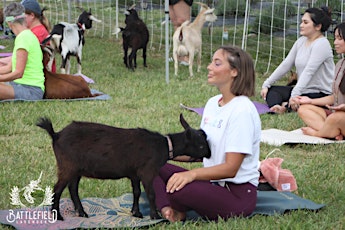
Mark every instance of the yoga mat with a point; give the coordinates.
(115, 212)
(5, 54)
(279, 137)
(261, 108)
(93, 91)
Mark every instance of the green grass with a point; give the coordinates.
(143, 99)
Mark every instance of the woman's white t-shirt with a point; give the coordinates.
(234, 127)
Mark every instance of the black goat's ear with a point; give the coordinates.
(184, 122)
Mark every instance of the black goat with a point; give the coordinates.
(135, 36)
(106, 152)
(68, 39)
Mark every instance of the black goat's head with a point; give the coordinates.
(131, 15)
(85, 19)
(196, 140)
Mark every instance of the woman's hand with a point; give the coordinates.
(303, 100)
(178, 180)
(263, 93)
(294, 103)
(340, 107)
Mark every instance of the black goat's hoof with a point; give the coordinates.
(59, 217)
(137, 214)
(155, 216)
(83, 214)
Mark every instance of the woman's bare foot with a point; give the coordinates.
(278, 109)
(172, 215)
(309, 131)
(339, 137)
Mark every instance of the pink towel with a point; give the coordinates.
(280, 179)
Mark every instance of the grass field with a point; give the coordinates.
(143, 99)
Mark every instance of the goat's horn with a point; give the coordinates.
(202, 4)
(94, 19)
(131, 7)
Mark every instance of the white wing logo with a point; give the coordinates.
(28, 190)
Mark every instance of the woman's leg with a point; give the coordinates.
(313, 116)
(6, 91)
(179, 13)
(207, 199)
(276, 95)
(333, 127)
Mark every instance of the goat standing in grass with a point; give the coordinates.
(68, 40)
(187, 39)
(106, 152)
(135, 36)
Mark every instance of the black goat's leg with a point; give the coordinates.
(144, 56)
(150, 193)
(136, 195)
(135, 60)
(63, 64)
(131, 58)
(73, 190)
(125, 55)
(58, 189)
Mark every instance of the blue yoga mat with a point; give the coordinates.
(103, 96)
(116, 212)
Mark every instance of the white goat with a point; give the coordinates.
(187, 38)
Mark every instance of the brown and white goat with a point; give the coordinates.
(106, 152)
(63, 86)
(68, 40)
(187, 39)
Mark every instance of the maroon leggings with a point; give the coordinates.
(210, 201)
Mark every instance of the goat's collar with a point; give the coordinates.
(171, 150)
(80, 26)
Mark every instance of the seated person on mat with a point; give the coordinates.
(330, 122)
(23, 77)
(37, 23)
(312, 56)
(227, 184)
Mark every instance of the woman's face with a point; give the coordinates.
(307, 27)
(29, 18)
(339, 43)
(219, 70)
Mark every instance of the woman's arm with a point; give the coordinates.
(227, 169)
(8, 74)
(6, 66)
(284, 67)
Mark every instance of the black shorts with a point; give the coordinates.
(173, 2)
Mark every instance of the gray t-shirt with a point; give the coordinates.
(314, 66)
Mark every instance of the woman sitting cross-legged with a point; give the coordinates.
(23, 77)
(325, 117)
(312, 56)
(227, 184)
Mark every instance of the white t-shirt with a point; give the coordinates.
(234, 127)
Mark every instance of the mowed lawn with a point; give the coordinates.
(143, 99)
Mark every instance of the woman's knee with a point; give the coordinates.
(337, 118)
